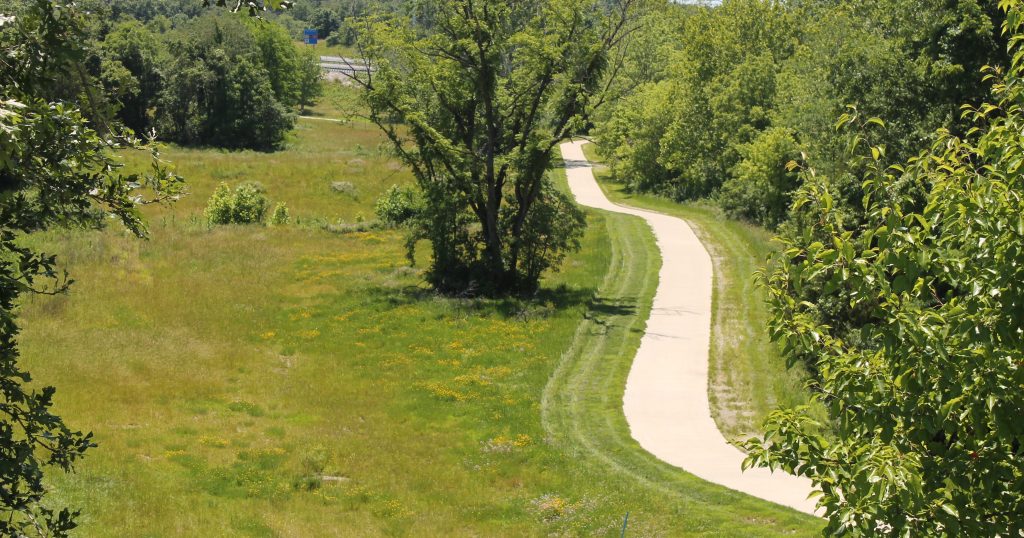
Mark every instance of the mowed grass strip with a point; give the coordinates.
(748, 376)
(288, 381)
(582, 409)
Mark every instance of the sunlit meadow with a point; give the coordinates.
(294, 381)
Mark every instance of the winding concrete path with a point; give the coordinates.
(666, 401)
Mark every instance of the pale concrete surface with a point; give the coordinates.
(666, 401)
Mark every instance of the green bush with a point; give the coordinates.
(218, 209)
(396, 206)
(245, 205)
(280, 216)
(761, 188)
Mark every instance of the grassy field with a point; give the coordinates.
(749, 378)
(290, 381)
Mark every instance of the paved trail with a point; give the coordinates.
(666, 400)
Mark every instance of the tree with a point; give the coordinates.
(133, 47)
(309, 78)
(716, 87)
(475, 106)
(325, 21)
(219, 92)
(742, 67)
(912, 315)
(760, 189)
(279, 57)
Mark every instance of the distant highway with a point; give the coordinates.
(343, 67)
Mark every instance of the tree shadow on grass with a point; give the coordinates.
(558, 298)
(540, 304)
(609, 314)
(572, 163)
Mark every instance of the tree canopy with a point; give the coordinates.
(688, 116)
(474, 97)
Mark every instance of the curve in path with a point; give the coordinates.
(666, 399)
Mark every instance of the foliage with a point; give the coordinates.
(213, 89)
(474, 98)
(56, 170)
(308, 77)
(396, 206)
(690, 119)
(133, 47)
(219, 209)
(281, 216)
(245, 205)
(761, 185)
(254, 7)
(553, 228)
(633, 135)
(911, 313)
(281, 60)
(218, 92)
(732, 72)
(325, 21)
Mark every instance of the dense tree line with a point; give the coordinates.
(334, 20)
(212, 79)
(716, 100)
(859, 131)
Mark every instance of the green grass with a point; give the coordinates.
(323, 49)
(287, 381)
(339, 101)
(749, 378)
(318, 154)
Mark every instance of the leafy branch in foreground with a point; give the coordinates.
(923, 370)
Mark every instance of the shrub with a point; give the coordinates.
(762, 187)
(218, 209)
(250, 205)
(246, 205)
(396, 206)
(281, 216)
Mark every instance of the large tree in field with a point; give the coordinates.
(475, 96)
(58, 168)
(913, 317)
